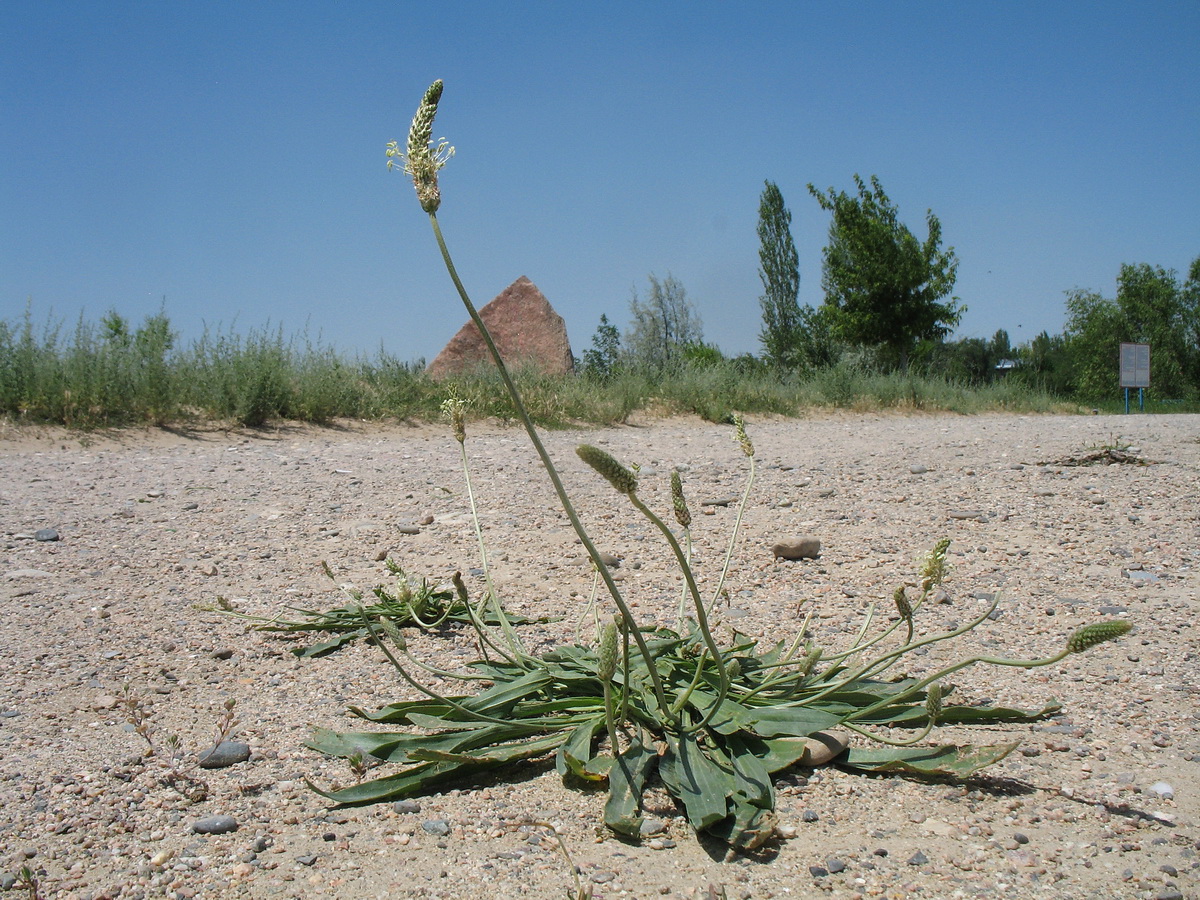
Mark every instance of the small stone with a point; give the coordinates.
(918, 470)
(800, 547)
(46, 534)
(438, 827)
(425, 520)
(652, 826)
(215, 825)
(835, 865)
(1020, 838)
(1163, 790)
(966, 514)
(7, 882)
(822, 747)
(223, 653)
(105, 701)
(809, 816)
(406, 806)
(309, 859)
(225, 754)
(818, 871)
(208, 569)
(408, 529)
(613, 562)
(918, 859)
(603, 877)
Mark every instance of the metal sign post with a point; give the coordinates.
(1135, 372)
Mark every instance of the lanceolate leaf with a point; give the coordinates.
(700, 784)
(576, 751)
(952, 761)
(626, 782)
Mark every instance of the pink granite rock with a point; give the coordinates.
(527, 331)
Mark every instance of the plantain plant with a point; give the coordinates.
(711, 721)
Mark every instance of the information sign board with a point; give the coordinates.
(1135, 365)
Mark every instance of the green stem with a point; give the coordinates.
(548, 464)
(737, 524)
(701, 614)
(492, 599)
(950, 670)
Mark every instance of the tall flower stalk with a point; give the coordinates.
(423, 162)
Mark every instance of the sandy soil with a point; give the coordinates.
(155, 526)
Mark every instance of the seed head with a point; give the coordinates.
(1097, 633)
(739, 434)
(422, 159)
(933, 701)
(618, 476)
(454, 409)
(933, 572)
(682, 514)
(812, 656)
(608, 650)
(390, 629)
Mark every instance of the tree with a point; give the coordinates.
(1151, 307)
(663, 325)
(779, 271)
(883, 287)
(601, 358)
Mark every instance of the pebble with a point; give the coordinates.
(652, 826)
(1163, 789)
(438, 827)
(308, 859)
(215, 825)
(800, 547)
(225, 754)
(822, 747)
(46, 534)
(406, 806)
(918, 859)
(918, 470)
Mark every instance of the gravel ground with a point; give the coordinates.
(153, 527)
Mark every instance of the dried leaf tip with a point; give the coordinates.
(616, 474)
(1097, 633)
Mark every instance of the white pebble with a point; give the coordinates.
(1162, 789)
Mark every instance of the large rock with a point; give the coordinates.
(527, 331)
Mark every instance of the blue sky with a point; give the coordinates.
(229, 156)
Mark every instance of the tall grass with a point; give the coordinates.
(110, 374)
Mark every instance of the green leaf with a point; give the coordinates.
(948, 760)
(326, 647)
(414, 780)
(702, 786)
(791, 721)
(783, 752)
(752, 779)
(399, 746)
(576, 751)
(626, 783)
(493, 753)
